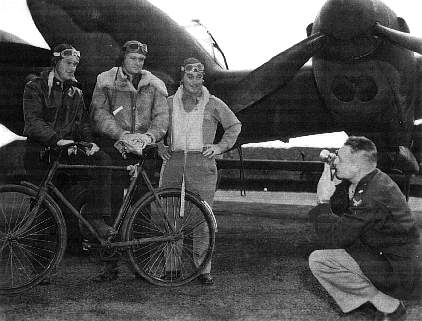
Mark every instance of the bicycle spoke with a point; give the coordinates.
(34, 257)
(190, 255)
(27, 217)
(4, 216)
(143, 226)
(22, 266)
(158, 255)
(28, 258)
(32, 227)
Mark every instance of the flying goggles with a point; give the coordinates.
(135, 46)
(198, 67)
(68, 53)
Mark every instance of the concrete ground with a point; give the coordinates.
(260, 268)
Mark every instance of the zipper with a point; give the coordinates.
(133, 110)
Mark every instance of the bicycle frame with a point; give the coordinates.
(136, 169)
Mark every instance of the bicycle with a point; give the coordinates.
(165, 243)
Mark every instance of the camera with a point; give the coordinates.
(327, 157)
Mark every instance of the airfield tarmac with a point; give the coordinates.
(260, 269)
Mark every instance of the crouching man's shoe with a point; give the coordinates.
(398, 314)
(206, 279)
(102, 228)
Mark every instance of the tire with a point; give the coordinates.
(170, 262)
(31, 245)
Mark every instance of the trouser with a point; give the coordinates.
(96, 182)
(343, 279)
(200, 177)
(120, 179)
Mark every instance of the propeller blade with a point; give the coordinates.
(275, 73)
(400, 38)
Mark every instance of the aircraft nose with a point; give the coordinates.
(347, 89)
(346, 19)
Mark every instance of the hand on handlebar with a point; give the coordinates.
(73, 147)
(70, 144)
(133, 143)
(91, 149)
(64, 142)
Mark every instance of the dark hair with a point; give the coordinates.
(363, 144)
(59, 48)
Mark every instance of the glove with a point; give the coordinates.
(133, 143)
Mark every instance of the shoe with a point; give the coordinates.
(206, 279)
(102, 228)
(398, 314)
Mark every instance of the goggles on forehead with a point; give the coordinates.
(198, 67)
(68, 53)
(135, 46)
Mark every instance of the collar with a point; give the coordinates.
(147, 78)
(367, 178)
(53, 80)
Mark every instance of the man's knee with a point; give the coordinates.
(315, 259)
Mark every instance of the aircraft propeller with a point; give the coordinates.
(275, 73)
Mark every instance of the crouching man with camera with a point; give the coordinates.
(368, 234)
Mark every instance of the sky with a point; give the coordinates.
(249, 34)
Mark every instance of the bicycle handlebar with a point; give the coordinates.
(77, 146)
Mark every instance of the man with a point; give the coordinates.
(190, 156)
(369, 233)
(55, 115)
(128, 104)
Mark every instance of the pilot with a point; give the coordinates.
(369, 236)
(128, 101)
(55, 115)
(128, 104)
(190, 154)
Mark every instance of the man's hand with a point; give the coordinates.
(92, 149)
(63, 142)
(164, 151)
(326, 186)
(71, 150)
(211, 150)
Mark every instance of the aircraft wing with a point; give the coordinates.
(18, 59)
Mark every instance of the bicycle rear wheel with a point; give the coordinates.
(170, 256)
(31, 243)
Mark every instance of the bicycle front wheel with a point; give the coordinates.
(175, 245)
(32, 242)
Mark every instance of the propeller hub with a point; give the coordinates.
(347, 19)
